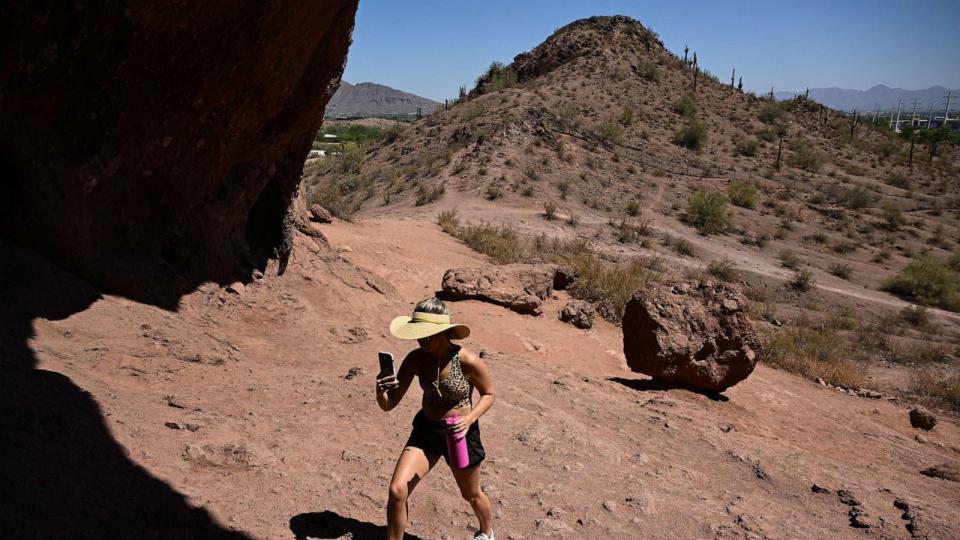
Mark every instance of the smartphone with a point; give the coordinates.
(386, 363)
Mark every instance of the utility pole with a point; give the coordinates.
(946, 110)
(929, 117)
(896, 127)
(913, 116)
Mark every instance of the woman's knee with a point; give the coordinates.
(471, 495)
(399, 491)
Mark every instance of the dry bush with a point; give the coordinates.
(500, 243)
(936, 386)
(723, 269)
(841, 270)
(449, 221)
(814, 352)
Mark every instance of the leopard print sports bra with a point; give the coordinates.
(453, 391)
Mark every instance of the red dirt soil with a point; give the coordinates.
(272, 438)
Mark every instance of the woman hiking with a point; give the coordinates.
(448, 373)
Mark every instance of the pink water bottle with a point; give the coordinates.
(456, 444)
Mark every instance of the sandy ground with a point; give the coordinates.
(245, 404)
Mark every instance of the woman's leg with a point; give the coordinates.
(412, 466)
(469, 482)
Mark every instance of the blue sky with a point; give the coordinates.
(432, 47)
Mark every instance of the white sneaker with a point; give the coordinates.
(484, 536)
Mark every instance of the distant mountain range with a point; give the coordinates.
(371, 99)
(884, 97)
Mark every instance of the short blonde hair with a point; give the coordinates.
(432, 305)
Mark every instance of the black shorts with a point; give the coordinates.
(431, 437)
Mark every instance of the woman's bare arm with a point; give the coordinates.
(391, 388)
(477, 372)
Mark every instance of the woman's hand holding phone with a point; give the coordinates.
(387, 382)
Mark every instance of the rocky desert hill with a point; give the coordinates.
(604, 141)
(371, 99)
(161, 384)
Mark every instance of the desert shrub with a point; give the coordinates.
(899, 180)
(563, 186)
(802, 280)
(350, 183)
(648, 71)
(573, 220)
(723, 269)
(493, 192)
(748, 147)
(854, 197)
(707, 211)
(814, 351)
(449, 221)
(685, 106)
(767, 134)
(926, 281)
(633, 208)
(427, 195)
(527, 191)
(742, 194)
(329, 196)
(805, 156)
(936, 386)
(844, 247)
(608, 131)
(627, 232)
(693, 135)
(549, 210)
(352, 159)
(681, 245)
(473, 112)
(626, 116)
(497, 77)
(791, 260)
(841, 270)
(893, 217)
(500, 243)
(917, 316)
(771, 113)
(887, 148)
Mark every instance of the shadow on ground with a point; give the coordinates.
(656, 384)
(329, 524)
(62, 474)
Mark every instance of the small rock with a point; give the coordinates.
(945, 471)
(922, 418)
(860, 519)
(820, 489)
(236, 288)
(848, 498)
(347, 455)
(353, 372)
(483, 354)
(610, 506)
(345, 249)
(555, 512)
(726, 428)
(257, 274)
(921, 439)
(578, 313)
(820, 381)
(172, 425)
(320, 214)
(191, 427)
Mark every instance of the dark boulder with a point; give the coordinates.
(138, 141)
(695, 334)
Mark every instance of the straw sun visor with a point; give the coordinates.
(423, 324)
